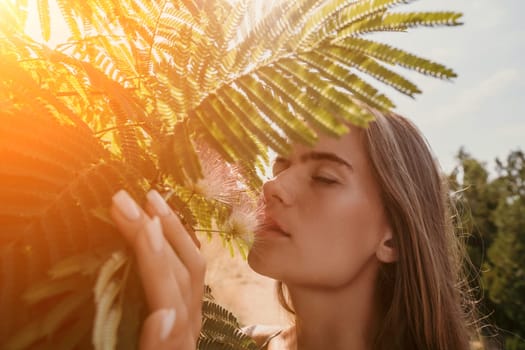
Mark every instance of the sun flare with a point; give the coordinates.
(59, 31)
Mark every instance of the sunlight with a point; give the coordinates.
(59, 29)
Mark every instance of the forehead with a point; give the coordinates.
(350, 146)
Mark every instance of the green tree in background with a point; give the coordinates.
(493, 214)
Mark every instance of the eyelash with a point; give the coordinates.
(321, 180)
(324, 180)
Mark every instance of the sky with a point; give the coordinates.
(483, 110)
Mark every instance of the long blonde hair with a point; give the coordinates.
(424, 297)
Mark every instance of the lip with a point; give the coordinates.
(269, 224)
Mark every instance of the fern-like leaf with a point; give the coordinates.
(68, 15)
(240, 106)
(108, 298)
(398, 22)
(285, 118)
(372, 68)
(321, 114)
(45, 25)
(345, 79)
(221, 330)
(345, 103)
(395, 56)
(358, 11)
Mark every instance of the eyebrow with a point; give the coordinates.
(321, 156)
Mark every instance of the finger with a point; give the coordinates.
(163, 275)
(164, 329)
(186, 250)
(145, 235)
(157, 204)
(157, 328)
(127, 215)
(131, 221)
(160, 283)
(177, 234)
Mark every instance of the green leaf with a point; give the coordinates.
(344, 16)
(342, 77)
(372, 68)
(398, 22)
(240, 141)
(299, 72)
(395, 56)
(252, 118)
(318, 111)
(268, 101)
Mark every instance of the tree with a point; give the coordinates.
(495, 219)
(143, 95)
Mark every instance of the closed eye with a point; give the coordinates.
(324, 180)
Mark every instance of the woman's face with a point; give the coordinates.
(324, 219)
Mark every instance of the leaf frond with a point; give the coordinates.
(43, 13)
(319, 112)
(394, 56)
(373, 68)
(398, 22)
(270, 104)
(345, 79)
(349, 109)
(344, 16)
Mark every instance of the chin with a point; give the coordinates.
(252, 260)
(256, 263)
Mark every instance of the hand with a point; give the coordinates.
(171, 268)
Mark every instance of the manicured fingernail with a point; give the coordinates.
(154, 232)
(126, 205)
(158, 203)
(168, 320)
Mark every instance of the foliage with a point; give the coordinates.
(147, 94)
(220, 329)
(494, 216)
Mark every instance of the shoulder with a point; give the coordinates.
(262, 333)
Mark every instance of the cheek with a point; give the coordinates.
(357, 223)
(350, 214)
(343, 233)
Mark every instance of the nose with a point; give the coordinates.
(278, 191)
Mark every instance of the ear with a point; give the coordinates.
(386, 251)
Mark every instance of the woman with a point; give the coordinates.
(357, 231)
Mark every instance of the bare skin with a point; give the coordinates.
(324, 235)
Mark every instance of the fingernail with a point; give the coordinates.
(168, 320)
(154, 232)
(126, 205)
(158, 203)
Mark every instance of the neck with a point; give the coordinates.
(336, 318)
